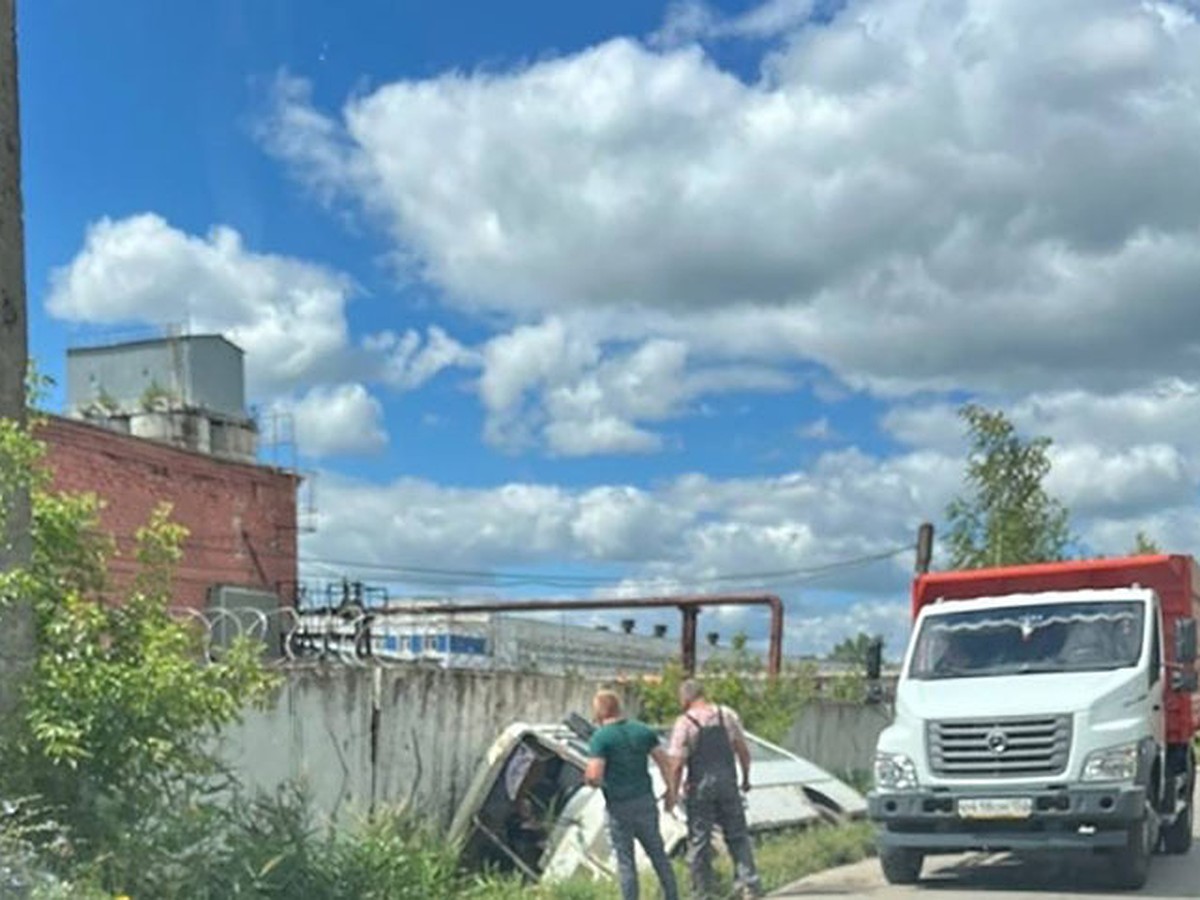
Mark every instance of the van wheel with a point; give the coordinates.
(901, 865)
(1131, 863)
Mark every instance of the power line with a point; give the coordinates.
(453, 577)
(441, 575)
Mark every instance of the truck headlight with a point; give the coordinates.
(894, 772)
(1112, 764)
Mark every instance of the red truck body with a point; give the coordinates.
(1175, 578)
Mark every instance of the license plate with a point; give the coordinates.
(995, 808)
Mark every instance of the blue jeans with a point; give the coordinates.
(638, 818)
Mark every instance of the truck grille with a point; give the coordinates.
(998, 748)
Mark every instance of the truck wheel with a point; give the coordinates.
(1177, 837)
(1131, 863)
(901, 865)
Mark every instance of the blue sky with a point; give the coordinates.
(663, 293)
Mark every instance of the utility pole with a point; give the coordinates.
(16, 618)
(924, 548)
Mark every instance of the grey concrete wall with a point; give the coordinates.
(838, 736)
(432, 728)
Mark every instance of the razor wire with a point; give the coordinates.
(350, 637)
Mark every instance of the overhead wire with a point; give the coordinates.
(447, 577)
(778, 576)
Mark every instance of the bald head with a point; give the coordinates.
(689, 692)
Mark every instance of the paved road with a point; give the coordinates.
(1002, 877)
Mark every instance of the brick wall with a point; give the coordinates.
(241, 518)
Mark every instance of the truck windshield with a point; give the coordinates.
(1056, 637)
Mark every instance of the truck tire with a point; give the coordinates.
(1131, 863)
(1177, 837)
(901, 865)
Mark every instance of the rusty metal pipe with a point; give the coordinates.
(688, 605)
(687, 638)
(775, 647)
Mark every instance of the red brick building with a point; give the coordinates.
(241, 517)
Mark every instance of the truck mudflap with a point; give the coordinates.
(980, 818)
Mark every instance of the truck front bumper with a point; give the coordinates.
(1066, 818)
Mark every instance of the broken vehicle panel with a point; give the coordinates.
(529, 810)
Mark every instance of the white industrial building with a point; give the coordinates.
(497, 641)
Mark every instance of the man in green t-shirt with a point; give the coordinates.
(619, 750)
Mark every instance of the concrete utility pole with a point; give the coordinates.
(16, 620)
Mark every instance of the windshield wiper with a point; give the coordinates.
(955, 672)
(1047, 669)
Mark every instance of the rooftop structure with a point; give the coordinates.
(187, 391)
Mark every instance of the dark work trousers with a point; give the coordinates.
(718, 803)
(638, 819)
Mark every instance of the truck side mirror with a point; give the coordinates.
(1185, 640)
(874, 659)
(1184, 681)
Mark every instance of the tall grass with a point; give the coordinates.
(781, 858)
(276, 847)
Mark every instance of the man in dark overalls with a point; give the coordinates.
(707, 743)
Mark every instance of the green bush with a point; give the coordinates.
(114, 730)
(27, 836)
(768, 707)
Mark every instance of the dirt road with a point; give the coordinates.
(1003, 876)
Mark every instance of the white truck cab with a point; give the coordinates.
(1036, 720)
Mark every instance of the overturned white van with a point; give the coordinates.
(528, 809)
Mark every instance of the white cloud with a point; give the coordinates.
(819, 631)
(598, 433)
(409, 361)
(686, 21)
(519, 364)
(1091, 481)
(1167, 411)
(287, 314)
(817, 430)
(693, 20)
(551, 383)
(332, 420)
(673, 538)
(771, 18)
(684, 533)
(934, 426)
(915, 194)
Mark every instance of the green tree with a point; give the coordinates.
(115, 731)
(852, 651)
(1005, 517)
(767, 706)
(1144, 545)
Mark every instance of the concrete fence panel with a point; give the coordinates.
(371, 737)
(838, 736)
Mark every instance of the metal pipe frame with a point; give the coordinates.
(689, 607)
